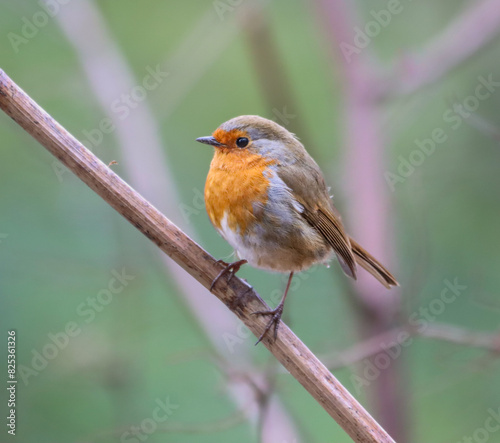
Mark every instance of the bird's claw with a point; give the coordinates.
(275, 320)
(231, 268)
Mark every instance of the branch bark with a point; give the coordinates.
(237, 295)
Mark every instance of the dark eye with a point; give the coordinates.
(242, 142)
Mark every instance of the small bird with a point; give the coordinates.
(268, 199)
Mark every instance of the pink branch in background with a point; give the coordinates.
(364, 147)
(369, 210)
(369, 216)
(473, 29)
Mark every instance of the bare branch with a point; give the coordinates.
(272, 74)
(461, 336)
(473, 29)
(489, 341)
(362, 350)
(236, 294)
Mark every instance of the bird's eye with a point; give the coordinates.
(242, 142)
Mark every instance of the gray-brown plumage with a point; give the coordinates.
(268, 198)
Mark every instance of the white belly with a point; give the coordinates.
(274, 255)
(243, 249)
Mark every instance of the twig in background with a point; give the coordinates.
(205, 43)
(470, 32)
(467, 34)
(460, 336)
(484, 126)
(223, 424)
(489, 341)
(272, 74)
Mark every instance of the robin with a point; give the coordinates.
(267, 197)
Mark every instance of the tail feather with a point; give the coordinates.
(372, 265)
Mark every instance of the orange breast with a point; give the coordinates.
(236, 185)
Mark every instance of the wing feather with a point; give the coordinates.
(332, 230)
(306, 182)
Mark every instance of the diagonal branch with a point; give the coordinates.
(489, 341)
(473, 29)
(236, 294)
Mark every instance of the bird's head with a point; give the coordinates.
(254, 135)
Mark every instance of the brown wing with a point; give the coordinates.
(305, 180)
(332, 230)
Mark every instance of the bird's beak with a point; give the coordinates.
(209, 141)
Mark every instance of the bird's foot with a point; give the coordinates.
(275, 320)
(229, 268)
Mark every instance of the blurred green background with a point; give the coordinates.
(138, 343)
